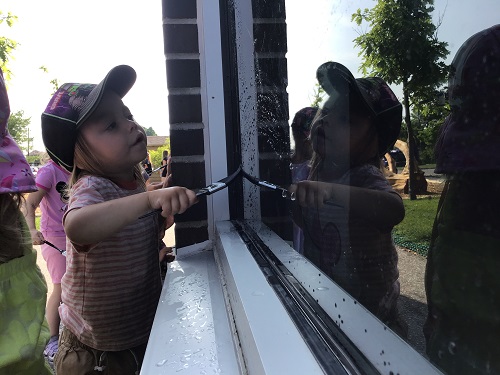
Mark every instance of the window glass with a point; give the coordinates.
(364, 78)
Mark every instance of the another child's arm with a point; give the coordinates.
(94, 223)
(32, 203)
(382, 208)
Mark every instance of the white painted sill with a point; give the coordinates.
(196, 330)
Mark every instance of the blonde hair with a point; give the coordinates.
(85, 163)
(12, 237)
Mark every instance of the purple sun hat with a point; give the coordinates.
(371, 95)
(71, 105)
(15, 172)
(470, 136)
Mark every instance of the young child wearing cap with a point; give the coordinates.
(112, 282)
(23, 291)
(462, 279)
(347, 208)
(300, 159)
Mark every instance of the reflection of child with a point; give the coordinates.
(23, 291)
(51, 181)
(349, 237)
(301, 156)
(462, 276)
(112, 282)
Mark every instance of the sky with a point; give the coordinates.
(322, 30)
(79, 41)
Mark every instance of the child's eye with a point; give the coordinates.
(131, 117)
(111, 126)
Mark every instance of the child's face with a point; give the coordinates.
(116, 140)
(340, 136)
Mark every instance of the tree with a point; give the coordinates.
(150, 131)
(19, 129)
(317, 95)
(7, 46)
(402, 47)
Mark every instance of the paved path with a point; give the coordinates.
(412, 302)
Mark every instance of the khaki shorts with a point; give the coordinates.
(75, 358)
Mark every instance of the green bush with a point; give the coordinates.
(157, 155)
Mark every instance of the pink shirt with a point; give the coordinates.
(53, 179)
(110, 291)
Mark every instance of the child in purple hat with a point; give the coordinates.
(112, 283)
(23, 291)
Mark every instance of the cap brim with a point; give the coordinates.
(339, 83)
(120, 79)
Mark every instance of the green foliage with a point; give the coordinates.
(19, 129)
(54, 81)
(414, 232)
(157, 155)
(428, 119)
(402, 46)
(318, 95)
(150, 131)
(7, 45)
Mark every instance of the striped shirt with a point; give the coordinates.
(111, 290)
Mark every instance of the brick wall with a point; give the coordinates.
(181, 28)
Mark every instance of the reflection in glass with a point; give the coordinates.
(347, 208)
(326, 32)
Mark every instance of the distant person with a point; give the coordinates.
(300, 159)
(23, 291)
(146, 164)
(347, 208)
(52, 183)
(462, 279)
(112, 283)
(166, 173)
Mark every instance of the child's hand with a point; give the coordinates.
(37, 237)
(171, 201)
(167, 254)
(311, 193)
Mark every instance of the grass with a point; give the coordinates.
(427, 166)
(37, 222)
(414, 232)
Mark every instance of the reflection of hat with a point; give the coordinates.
(470, 137)
(15, 172)
(72, 105)
(303, 119)
(371, 95)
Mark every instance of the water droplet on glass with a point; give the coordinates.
(161, 363)
(452, 348)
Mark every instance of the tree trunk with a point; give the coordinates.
(411, 144)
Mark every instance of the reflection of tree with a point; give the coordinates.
(317, 95)
(402, 48)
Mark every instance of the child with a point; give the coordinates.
(23, 291)
(348, 207)
(299, 161)
(51, 181)
(462, 274)
(112, 282)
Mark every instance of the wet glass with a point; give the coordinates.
(348, 202)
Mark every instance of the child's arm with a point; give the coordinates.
(383, 209)
(94, 223)
(32, 202)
